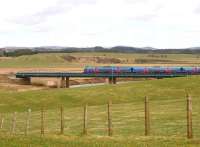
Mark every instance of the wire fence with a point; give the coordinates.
(147, 117)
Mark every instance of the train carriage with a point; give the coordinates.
(141, 70)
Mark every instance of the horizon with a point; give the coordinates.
(104, 47)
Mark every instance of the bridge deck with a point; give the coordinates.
(84, 75)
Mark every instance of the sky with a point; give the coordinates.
(107, 23)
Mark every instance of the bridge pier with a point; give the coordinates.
(112, 80)
(63, 82)
(67, 82)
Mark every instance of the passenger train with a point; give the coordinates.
(141, 70)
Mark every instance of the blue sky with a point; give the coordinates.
(85, 23)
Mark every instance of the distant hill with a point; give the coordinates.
(17, 51)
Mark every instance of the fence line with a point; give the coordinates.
(84, 120)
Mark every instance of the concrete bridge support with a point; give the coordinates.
(67, 82)
(63, 82)
(112, 80)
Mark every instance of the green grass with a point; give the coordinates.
(38, 60)
(157, 90)
(57, 60)
(61, 141)
(167, 108)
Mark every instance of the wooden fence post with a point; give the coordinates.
(42, 121)
(85, 117)
(110, 130)
(147, 115)
(61, 120)
(189, 117)
(13, 123)
(1, 123)
(27, 122)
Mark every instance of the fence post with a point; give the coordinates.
(110, 131)
(85, 117)
(27, 122)
(1, 123)
(2, 120)
(13, 123)
(189, 117)
(42, 121)
(147, 119)
(61, 120)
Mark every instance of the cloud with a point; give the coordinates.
(60, 7)
(135, 1)
(197, 10)
(77, 2)
(41, 16)
(146, 18)
(157, 23)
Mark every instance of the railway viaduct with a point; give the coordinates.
(25, 77)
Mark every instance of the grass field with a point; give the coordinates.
(61, 141)
(167, 106)
(162, 89)
(83, 59)
(96, 142)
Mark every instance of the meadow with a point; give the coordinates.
(167, 108)
(167, 102)
(83, 59)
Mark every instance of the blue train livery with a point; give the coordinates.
(141, 70)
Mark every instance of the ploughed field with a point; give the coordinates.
(167, 101)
